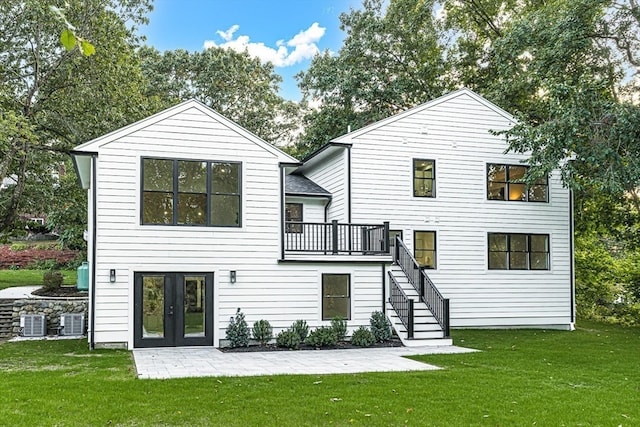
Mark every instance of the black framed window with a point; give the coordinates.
(293, 212)
(517, 251)
(506, 182)
(191, 192)
(424, 178)
(424, 248)
(336, 296)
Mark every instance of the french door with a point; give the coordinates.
(173, 309)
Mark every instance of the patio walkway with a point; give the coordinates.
(182, 362)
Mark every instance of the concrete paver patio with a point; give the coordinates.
(163, 363)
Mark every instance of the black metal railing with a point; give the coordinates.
(333, 238)
(402, 304)
(427, 291)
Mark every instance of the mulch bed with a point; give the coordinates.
(340, 346)
(63, 291)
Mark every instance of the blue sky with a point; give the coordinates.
(285, 32)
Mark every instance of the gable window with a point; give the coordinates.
(506, 182)
(424, 248)
(336, 298)
(190, 192)
(293, 213)
(424, 178)
(516, 251)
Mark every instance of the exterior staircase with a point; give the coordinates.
(426, 329)
(416, 309)
(6, 312)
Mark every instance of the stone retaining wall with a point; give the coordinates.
(52, 308)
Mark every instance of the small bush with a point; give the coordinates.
(17, 247)
(52, 279)
(339, 326)
(380, 326)
(363, 337)
(288, 339)
(44, 264)
(262, 331)
(324, 336)
(238, 331)
(301, 328)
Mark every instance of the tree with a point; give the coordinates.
(234, 84)
(53, 99)
(391, 59)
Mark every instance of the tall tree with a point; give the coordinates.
(235, 84)
(392, 58)
(52, 98)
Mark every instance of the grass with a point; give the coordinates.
(522, 377)
(10, 278)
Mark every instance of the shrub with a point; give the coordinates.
(238, 331)
(288, 339)
(17, 247)
(363, 337)
(324, 336)
(380, 326)
(262, 331)
(339, 326)
(52, 279)
(301, 328)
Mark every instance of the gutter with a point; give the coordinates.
(94, 233)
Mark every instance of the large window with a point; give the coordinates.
(293, 212)
(188, 192)
(336, 298)
(518, 251)
(506, 182)
(424, 248)
(424, 178)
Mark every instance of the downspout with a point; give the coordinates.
(384, 288)
(94, 223)
(572, 279)
(282, 209)
(349, 184)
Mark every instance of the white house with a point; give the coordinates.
(421, 215)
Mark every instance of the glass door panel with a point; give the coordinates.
(153, 307)
(194, 306)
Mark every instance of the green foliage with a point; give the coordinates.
(323, 336)
(339, 326)
(288, 339)
(380, 326)
(262, 331)
(301, 328)
(17, 247)
(363, 337)
(238, 331)
(17, 277)
(52, 279)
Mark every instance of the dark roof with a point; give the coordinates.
(300, 185)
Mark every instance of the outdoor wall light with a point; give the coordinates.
(112, 275)
(232, 276)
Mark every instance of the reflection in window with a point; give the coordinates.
(336, 299)
(293, 213)
(424, 248)
(424, 177)
(506, 182)
(517, 251)
(194, 306)
(187, 192)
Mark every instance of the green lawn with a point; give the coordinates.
(10, 278)
(535, 378)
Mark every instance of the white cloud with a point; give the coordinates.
(303, 46)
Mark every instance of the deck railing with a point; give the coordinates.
(417, 276)
(333, 238)
(402, 304)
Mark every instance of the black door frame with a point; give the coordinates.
(173, 312)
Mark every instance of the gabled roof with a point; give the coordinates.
(300, 185)
(464, 91)
(95, 144)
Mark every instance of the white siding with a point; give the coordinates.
(264, 289)
(331, 175)
(456, 135)
(312, 207)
